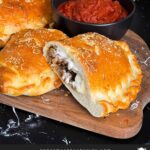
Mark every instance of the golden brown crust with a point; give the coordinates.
(17, 15)
(23, 69)
(112, 71)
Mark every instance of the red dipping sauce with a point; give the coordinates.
(93, 11)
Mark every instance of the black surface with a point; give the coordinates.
(45, 131)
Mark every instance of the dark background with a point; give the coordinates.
(39, 130)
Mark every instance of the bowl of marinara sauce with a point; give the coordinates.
(111, 18)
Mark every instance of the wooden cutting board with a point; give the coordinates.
(60, 105)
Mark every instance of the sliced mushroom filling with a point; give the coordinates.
(66, 69)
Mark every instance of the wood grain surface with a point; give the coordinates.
(60, 105)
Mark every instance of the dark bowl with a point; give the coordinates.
(114, 30)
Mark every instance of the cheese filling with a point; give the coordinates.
(66, 69)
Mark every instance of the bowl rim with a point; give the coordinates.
(95, 24)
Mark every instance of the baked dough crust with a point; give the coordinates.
(16, 15)
(110, 70)
(23, 69)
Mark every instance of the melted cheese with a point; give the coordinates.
(78, 84)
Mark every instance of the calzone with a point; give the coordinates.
(23, 68)
(17, 15)
(103, 75)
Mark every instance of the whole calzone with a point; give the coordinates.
(16, 15)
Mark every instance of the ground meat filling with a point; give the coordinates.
(67, 74)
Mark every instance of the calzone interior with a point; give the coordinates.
(23, 68)
(103, 75)
(16, 15)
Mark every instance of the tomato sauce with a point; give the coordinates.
(93, 11)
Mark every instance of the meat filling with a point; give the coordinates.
(65, 67)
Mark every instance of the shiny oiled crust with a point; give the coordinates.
(16, 15)
(112, 71)
(23, 68)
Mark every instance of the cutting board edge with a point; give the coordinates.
(123, 134)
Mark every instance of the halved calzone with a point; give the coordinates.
(16, 15)
(103, 75)
(23, 68)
